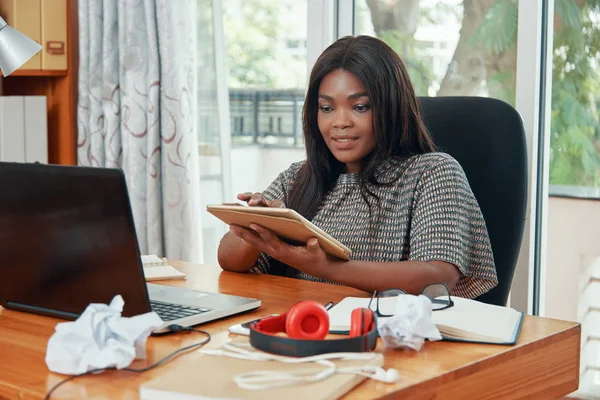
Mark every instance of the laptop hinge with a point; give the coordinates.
(40, 310)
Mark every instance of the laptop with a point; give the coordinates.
(67, 239)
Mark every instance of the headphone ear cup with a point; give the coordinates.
(362, 321)
(307, 320)
(273, 324)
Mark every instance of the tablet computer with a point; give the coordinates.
(286, 223)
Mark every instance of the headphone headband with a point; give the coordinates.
(286, 346)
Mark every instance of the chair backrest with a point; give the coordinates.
(487, 138)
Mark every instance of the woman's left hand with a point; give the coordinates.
(310, 259)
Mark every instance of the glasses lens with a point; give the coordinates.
(438, 294)
(386, 301)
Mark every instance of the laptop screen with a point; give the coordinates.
(67, 239)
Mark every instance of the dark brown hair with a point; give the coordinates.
(397, 125)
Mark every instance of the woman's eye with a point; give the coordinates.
(325, 109)
(361, 107)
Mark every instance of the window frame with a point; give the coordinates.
(321, 29)
(533, 102)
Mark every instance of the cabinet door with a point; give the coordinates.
(54, 34)
(28, 22)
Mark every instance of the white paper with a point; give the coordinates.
(150, 260)
(100, 338)
(410, 325)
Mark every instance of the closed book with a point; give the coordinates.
(12, 129)
(36, 129)
(28, 18)
(467, 321)
(54, 34)
(212, 377)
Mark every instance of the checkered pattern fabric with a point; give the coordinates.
(427, 213)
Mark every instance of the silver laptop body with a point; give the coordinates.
(67, 239)
(201, 306)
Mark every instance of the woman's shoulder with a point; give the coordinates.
(434, 160)
(290, 175)
(434, 168)
(294, 168)
(419, 165)
(283, 183)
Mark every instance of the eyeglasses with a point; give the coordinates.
(438, 293)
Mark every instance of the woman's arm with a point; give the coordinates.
(410, 276)
(235, 254)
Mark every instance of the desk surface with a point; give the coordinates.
(543, 364)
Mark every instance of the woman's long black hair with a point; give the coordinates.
(397, 125)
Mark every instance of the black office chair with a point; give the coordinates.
(487, 138)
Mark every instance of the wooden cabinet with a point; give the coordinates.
(60, 89)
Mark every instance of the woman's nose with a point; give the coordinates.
(342, 119)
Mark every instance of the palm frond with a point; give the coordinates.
(498, 31)
(569, 13)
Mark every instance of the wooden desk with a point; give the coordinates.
(544, 363)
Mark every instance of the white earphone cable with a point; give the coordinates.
(258, 380)
(268, 379)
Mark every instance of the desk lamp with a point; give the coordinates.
(15, 48)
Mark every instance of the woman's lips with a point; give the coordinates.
(344, 143)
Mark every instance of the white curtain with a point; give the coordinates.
(137, 111)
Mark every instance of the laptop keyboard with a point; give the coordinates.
(170, 311)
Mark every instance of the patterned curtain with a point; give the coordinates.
(137, 111)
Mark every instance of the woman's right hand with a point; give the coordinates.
(235, 254)
(257, 200)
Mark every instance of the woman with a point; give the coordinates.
(373, 180)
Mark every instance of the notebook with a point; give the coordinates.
(286, 223)
(467, 321)
(211, 377)
(157, 269)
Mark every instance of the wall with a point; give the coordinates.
(254, 168)
(573, 243)
(573, 279)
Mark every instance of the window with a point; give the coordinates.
(575, 124)
(266, 59)
(450, 47)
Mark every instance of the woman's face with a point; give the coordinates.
(344, 118)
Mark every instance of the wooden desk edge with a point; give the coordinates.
(453, 377)
(436, 383)
(8, 389)
(565, 342)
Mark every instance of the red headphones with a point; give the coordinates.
(306, 325)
